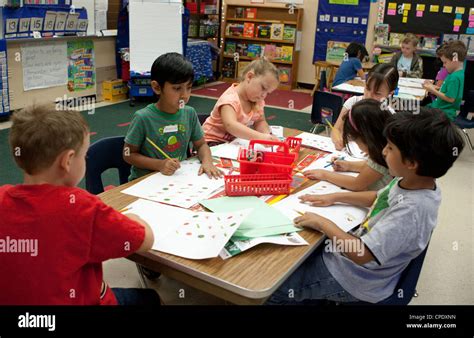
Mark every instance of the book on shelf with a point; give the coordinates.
(450, 37)
(381, 33)
(234, 29)
(249, 28)
(263, 31)
(269, 52)
(254, 50)
(289, 33)
(241, 66)
(284, 75)
(468, 40)
(286, 53)
(251, 13)
(230, 47)
(239, 12)
(241, 48)
(396, 39)
(429, 42)
(386, 57)
(276, 32)
(228, 68)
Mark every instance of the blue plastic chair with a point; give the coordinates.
(102, 155)
(326, 101)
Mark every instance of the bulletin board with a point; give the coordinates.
(340, 20)
(430, 17)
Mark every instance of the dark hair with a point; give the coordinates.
(382, 73)
(428, 138)
(365, 121)
(356, 50)
(172, 68)
(452, 47)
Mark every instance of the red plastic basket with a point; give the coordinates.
(270, 162)
(257, 184)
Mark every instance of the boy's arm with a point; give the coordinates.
(132, 156)
(366, 177)
(433, 90)
(358, 198)
(149, 237)
(237, 129)
(359, 254)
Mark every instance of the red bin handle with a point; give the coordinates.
(270, 143)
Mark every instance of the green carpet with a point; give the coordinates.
(106, 122)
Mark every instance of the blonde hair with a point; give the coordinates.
(39, 133)
(411, 38)
(261, 67)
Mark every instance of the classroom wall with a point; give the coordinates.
(306, 68)
(104, 48)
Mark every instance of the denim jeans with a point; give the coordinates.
(311, 281)
(130, 296)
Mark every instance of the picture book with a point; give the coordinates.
(269, 52)
(286, 53)
(276, 32)
(289, 33)
(228, 68)
(251, 13)
(263, 31)
(284, 75)
(254, 50)
(381, 34)
(235, 29)
(249, 28)
(396, 39)
(230, 47)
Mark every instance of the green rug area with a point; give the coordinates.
(112, 121)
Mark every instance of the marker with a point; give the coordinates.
(333, 161)
(299, 212)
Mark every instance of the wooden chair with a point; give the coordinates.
(319, 67)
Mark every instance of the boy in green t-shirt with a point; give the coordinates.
(449, 97)
(159, 135)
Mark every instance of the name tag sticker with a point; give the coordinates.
(171, 129)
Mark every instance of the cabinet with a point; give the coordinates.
(250, 32)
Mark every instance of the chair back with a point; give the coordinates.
(325, 103)
(102, 155)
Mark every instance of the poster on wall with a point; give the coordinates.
(81, 69)
(340, 20)
(44, 65)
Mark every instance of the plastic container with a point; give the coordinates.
(257, 184)
(280, 161)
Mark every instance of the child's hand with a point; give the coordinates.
(169, 166)
(211, 170)
(338, 143)
(429, 86)
(310, 220)
(340, 165)
(323, 200)
(271, 137)
(317, 174)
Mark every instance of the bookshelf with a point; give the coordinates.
(249, 32)
(204, 22)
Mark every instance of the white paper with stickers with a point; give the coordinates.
(325, 143)
(344, 216)
(231, 150)
(184, 188)
(185, 233)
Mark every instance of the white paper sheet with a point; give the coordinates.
(184, 188)
(349, 88)
(277, 131)
(184, 233)
(325, 163)
(409, 82)
(344, 216)
(44, 65)
(411, 91)
(231, 150)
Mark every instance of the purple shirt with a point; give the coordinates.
(442, 74)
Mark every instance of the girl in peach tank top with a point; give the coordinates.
(239, 110)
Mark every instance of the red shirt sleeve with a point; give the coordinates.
(113, 234)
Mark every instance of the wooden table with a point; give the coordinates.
(248, 278)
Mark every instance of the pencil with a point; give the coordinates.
(299, 212)
(124, 209)
(158, 148)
